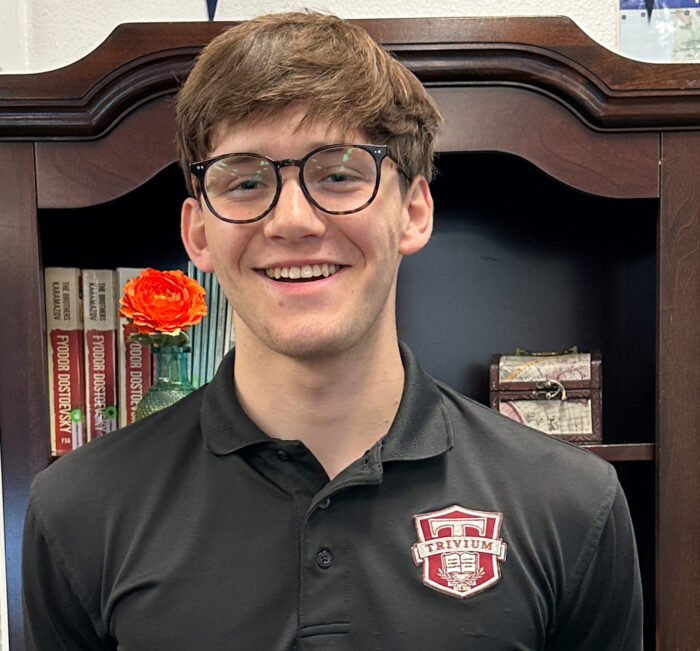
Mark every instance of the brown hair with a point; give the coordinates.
(261, 66)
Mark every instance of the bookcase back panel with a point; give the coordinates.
(540, 129)
(519, 260)
(141, 228)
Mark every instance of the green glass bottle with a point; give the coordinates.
(172, 380)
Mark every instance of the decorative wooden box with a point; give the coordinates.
(559, 394)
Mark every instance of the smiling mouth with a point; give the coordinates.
(306, 273)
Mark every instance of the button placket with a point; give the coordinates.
(324, 579)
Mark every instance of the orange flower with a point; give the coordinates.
(163, 301)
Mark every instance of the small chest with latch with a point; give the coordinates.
(557, 393)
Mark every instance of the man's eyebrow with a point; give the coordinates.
(316, 144)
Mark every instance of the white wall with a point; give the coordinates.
(12, 31)
(38, 35)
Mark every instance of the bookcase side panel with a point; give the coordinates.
(678, 350)
(23, 385)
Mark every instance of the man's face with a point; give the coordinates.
(360, 252)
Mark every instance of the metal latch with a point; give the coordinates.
(550, 390)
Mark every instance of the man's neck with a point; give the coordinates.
(338, 406)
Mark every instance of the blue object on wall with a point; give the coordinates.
(211, 8)
(650, 5)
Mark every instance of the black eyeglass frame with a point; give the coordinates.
(378, 152)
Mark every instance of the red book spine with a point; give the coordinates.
(99, 318)
(135, 360)
(65, 352)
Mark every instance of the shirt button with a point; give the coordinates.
(283, 454)
(324, 559)
(324, 504)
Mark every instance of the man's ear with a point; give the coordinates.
(418, 210)
(194, 235)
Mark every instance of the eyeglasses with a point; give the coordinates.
(337, 179)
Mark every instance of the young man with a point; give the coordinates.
(322, 492)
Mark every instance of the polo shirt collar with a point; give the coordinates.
(420, 429)
(226, 428)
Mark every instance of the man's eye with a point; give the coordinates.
(338, 177)
(242, 189)
(251, 184)
(246, 186)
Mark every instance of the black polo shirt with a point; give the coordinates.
(460, 529)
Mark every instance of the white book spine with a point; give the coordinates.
(135, 361)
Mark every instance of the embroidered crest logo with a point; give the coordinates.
(459, 549)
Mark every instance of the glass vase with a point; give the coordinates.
(171, 383)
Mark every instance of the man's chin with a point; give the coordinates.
(311, 345)
(310, 349)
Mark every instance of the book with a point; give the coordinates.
(212, 310)
(4, 615)
(214, 336)
(64, 330)
(135, 361)
(221, 333)
(230, 330)
(204, 331)
(195, 332)
(100, 334)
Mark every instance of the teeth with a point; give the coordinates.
(307, 271)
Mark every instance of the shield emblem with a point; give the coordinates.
(459, 549)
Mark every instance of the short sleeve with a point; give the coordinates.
(54, 616)
(603, 608)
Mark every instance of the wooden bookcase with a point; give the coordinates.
(568, 212)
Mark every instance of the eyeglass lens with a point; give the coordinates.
(338, 179)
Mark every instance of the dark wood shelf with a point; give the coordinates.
(622, 451)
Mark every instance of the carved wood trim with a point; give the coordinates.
(552, 56)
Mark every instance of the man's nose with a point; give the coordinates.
(294, 216)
